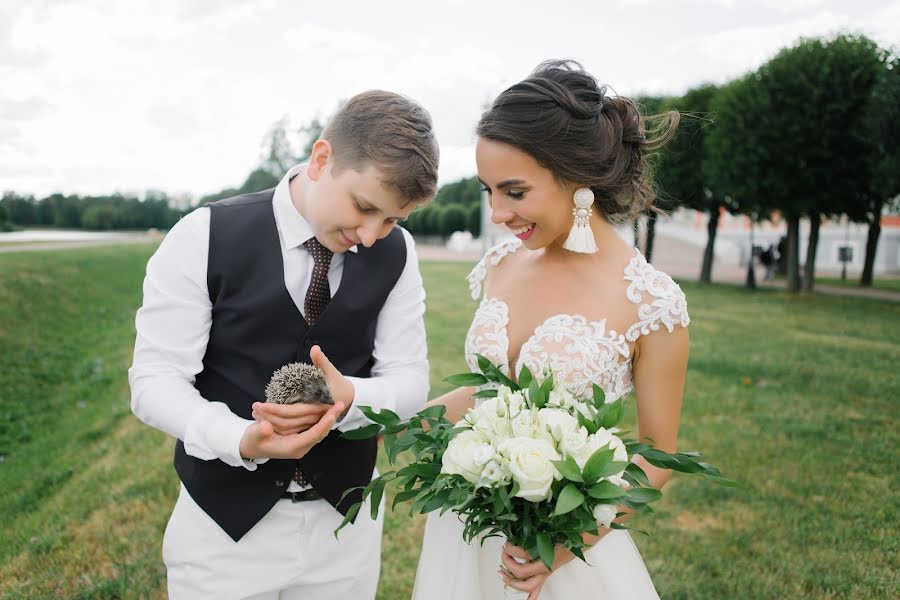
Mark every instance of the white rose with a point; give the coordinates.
(557, 422)
(577, 444)
(460, 456)
(524, 424)
(529, 463)
(605, 513)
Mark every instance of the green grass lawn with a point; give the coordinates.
(794, 396)
(891, 284)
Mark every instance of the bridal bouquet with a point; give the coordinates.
(530, 463)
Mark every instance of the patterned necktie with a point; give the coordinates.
(317, 297)
(319, 292)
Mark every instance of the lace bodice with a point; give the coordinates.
(578, 351)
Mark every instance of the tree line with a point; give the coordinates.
(812, 134)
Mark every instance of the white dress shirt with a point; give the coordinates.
(174, 322)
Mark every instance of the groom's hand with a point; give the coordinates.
(261, 441)
(294, 418)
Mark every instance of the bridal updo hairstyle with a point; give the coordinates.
(566, 121)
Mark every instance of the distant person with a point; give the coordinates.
(781, 258)
(245, 285)
(767, 260)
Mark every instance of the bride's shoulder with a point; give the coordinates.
(490, 260)
(659, 299)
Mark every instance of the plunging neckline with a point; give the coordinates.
(513, 367)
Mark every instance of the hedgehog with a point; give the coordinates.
(298, 382)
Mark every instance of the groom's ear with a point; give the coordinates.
(321, 156)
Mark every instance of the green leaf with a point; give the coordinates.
(484, 364)
(643, 495)
(596, 464)
(569, 469)
(613, 414)
(569, 499)
(467, 379)
(588, 424)
(605, 490)
(525, 377)
(363, 433)
(545, 549)
(435, 411)
(638, 474)
(535, 394)
(351, 514)
(613, 468)
(375, 497)
(383, 417)
(490, 393)
(599, 396)
(405, 496)
(722, 481)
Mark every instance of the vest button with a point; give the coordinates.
(279, 483)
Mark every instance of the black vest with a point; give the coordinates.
(256, 329)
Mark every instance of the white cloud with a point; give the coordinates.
(101, 95)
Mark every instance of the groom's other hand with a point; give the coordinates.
(294, 418)
(260, 440)
(289, 418)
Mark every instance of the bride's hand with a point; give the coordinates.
(532, 575)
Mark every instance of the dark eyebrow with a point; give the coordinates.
(503, 184)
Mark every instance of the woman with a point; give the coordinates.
(561, 161)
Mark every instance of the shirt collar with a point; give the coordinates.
(295, 229)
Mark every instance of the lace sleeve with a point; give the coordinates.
(661, 301)
(491, 259)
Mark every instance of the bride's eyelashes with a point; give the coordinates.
(514, 194)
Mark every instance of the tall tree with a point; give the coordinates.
(734, 160)
(883, 129)
(680, 170)
(812, 132)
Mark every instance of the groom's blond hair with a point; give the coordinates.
(391, 132)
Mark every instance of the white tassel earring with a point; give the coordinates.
(581, 238)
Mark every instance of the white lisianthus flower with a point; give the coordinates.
(496, 473)
(529, 463)
(561, 398)
(558, 422)
(460, 456)
(490, 423)
(605, 513)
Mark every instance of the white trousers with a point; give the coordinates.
(291, 554)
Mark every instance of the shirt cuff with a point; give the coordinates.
(368, 391)
(218, 436)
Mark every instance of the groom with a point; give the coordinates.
(316, 271)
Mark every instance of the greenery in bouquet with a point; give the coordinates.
(530, 463)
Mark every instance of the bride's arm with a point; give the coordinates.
(458, 402)
(659, 367)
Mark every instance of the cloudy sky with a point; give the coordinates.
(122, 95)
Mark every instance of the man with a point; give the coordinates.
(314, 270)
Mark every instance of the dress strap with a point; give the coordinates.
(491, 259)
(661, 300)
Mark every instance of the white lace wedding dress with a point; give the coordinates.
(579, 352)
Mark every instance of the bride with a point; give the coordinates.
(601, 316)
